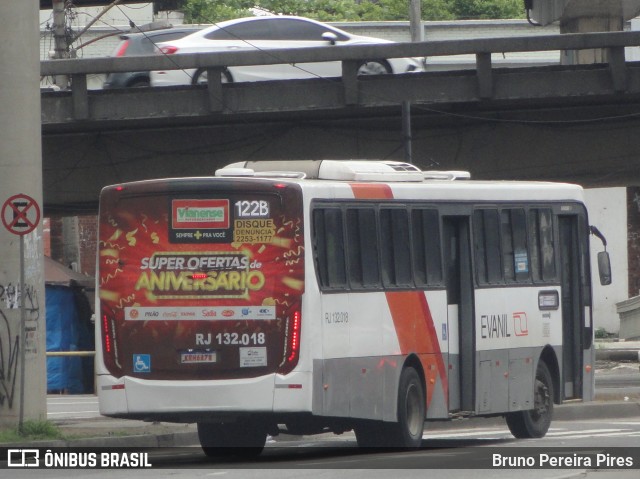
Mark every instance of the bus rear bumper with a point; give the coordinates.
(184, 401)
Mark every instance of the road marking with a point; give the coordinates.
(621, 433)
(475, 432)
(73, 412)
(586, 431)
(559, 433)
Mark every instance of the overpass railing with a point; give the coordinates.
(215, 62)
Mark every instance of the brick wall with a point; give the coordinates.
(46, 236)
(74, 240)
(55, 239)
(88, 236)
(633, 239)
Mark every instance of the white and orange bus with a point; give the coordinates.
(315, 296)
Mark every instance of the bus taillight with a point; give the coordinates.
(106, 335)
(109, 346)
(294, 343)
(292, 351)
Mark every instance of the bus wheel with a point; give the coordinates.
(535, 422)
(407, 432)
(237, 439)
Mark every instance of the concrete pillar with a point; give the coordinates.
(60, 40)
(21, 174)
(602, 23)
(583, 16)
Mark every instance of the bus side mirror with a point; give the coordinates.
(604, 268)
(604, 263)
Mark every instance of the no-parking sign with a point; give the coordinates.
(20, 214)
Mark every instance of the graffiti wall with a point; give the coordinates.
(14, 345)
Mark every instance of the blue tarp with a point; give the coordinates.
(67, 331)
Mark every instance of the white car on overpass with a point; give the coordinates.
(269, 32)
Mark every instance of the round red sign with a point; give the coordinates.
(20, 214)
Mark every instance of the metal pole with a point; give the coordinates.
(53, 354)
(60, 40)
(23, 339)
(417, 35)
(415, 21)
(406, 130)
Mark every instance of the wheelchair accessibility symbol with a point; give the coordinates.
(141, 363)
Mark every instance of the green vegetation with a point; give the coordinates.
(209, 11)
(602, 333)
(203, 11)
(484, 9)
(31, 431)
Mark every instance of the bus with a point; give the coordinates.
(336, 295)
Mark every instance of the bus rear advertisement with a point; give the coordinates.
(200, 288)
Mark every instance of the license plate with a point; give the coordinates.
(198, 357)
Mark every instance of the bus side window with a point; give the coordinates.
(425, 230)
(514, 245)
(543, 260)
(396, 253)
(487, 246)
(329, 243)
(507, 246)
(547, 246)
(362, 246)
(520, 247)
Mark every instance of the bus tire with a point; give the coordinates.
(407, 432)
(535, 422)
(236, 439)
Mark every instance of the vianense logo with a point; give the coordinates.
(201, 214)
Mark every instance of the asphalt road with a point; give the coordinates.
(462, 453)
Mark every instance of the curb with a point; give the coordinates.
(597, 409)
(617, 350)
(618, 354)
(177, 439)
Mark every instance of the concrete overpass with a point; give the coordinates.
(573, 123)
